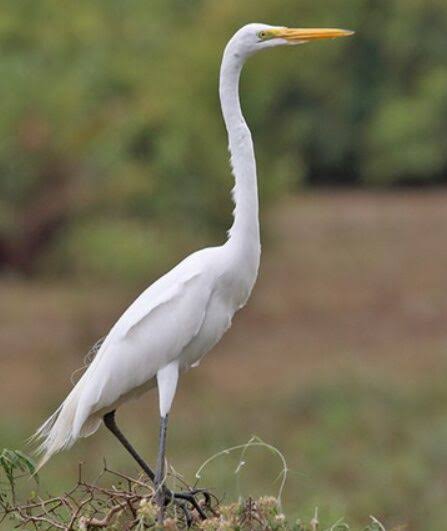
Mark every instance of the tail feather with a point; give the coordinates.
(69, 422)
(45, 428)
(56, 432)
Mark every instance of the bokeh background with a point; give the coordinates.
(113, 166)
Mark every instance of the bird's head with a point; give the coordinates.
(255, 37)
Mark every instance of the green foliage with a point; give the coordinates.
(109, 111)
(13, 464)
(13, 461)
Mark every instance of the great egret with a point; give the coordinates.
(181, 316)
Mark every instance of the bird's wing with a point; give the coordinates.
(152, 333)
(163, 290)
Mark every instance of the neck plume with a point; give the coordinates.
(245, 228)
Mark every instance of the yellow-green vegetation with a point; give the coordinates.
(129, 503)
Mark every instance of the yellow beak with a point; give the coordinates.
(294, 35)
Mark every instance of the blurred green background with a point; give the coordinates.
(113, 166)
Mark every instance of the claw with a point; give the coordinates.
(190, 497)
(183, 499)
(186, 512)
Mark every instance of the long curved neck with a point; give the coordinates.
(244, 232)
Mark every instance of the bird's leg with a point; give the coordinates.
(160, 473)
(167, 378)
(109, 421)
(166, 496)
(162, 495)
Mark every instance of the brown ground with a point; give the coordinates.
(348, 278)
(352, 285)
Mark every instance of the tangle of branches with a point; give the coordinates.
(125, 505)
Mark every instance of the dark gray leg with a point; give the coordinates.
(109, 421)
(164, 495)
(160, 473)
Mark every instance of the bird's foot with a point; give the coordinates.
(196, 504)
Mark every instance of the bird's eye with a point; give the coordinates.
(262, 35)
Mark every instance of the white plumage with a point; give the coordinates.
(180, 317)
(176, 320)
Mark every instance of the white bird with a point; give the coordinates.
(181, 316)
